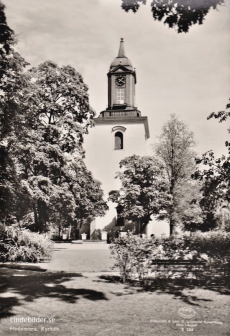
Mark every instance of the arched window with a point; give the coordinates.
(118, 140)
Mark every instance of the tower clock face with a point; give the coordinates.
(120, 80)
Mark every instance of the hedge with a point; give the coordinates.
(134, 255)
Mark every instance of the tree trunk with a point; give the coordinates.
(171, 227)
(36, 218)
(42, 216)
(171, 221)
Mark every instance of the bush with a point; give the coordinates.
(18, 244)
(134, 255)
(216, 246)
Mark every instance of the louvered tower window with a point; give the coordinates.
(119, 141)
(120, 96)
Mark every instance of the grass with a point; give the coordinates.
(84, 303)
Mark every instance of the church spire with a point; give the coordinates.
(121, 52)
(121, 59)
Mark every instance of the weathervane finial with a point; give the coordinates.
(121, 52)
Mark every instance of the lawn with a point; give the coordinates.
(92, 303)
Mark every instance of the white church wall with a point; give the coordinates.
(157, 228)
(101, 157)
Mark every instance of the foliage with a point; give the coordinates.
(144, 190)
(221, 115)
(162, 185)
(6, 34)
(59, 98)
(212, 247)
(9, 58)
(13, 197)
(131, 253)
(216, 244)
(188, 209)
(18, 244)
(181, 14)
(216, 177)
(44, 113)
(134, 255)
(175, 152)
(51, 159)
(215, 174)
(57, 179)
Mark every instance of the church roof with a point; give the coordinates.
(121, 59)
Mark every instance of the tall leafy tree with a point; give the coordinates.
(14, 200)
(51, 158)
(175, 152)
(144, 190)
(189, 212)
(43, 115)
(181, 14)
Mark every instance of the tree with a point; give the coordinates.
(181, 14)
(189, 210)
(78, 199)
(51, 157)
(43, 115)
(144, 190)
(14, 200)
(175, 152)
(215, 174)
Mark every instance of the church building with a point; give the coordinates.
(120, 131)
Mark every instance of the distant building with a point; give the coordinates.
(120, 131)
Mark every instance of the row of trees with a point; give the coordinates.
(44, 112)
(174, 185)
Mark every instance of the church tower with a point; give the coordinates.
(120, 131)
(121, 83)
(121, 115)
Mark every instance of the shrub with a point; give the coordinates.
(18, 244)
(216, 246)
(134, 255)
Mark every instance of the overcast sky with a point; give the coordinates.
(186, 74)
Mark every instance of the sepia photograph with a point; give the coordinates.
(115, 167)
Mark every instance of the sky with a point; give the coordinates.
(185, 74)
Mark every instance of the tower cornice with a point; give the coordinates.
(124, 120)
